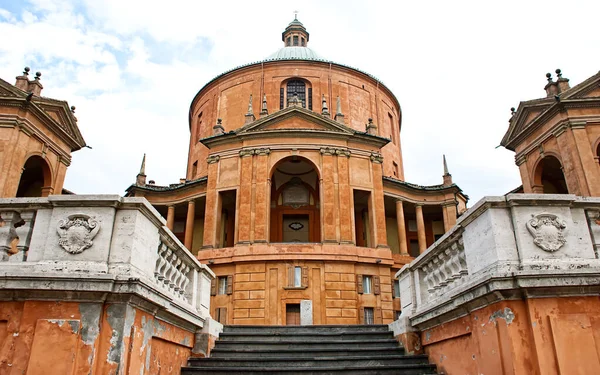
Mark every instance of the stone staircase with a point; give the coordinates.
(355, 349)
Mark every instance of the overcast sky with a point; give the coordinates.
(132, 68)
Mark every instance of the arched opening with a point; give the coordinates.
(36, 176)
(550, 177)
(598, 153)
(295, 202)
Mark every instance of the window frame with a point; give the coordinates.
(367, 283)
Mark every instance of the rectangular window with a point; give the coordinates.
(194, 169)
(367, 283)
(392, 130)
(369, 316)
(310, 98)
(413, 248)
(396, 288)
(362, 208)
(295, 40)
(302, 42)
(288, 42)
(297, 277)
(396, 170)
(222, 285)
(226, 221)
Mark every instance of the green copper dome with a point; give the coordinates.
(295, 53)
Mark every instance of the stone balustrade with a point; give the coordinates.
(100, 243)
(537, 244)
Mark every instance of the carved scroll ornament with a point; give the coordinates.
(76, 233)
(547, 231)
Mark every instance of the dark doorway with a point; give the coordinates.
(292, 314)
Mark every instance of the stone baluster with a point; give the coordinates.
(8, 234)
(184, 276)
(160, 262)
(24, 232)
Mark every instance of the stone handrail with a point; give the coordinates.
(535, 242)
(117, 244)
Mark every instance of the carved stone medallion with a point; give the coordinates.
(547, 231)
(76, 233)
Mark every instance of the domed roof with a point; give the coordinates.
(295, 53)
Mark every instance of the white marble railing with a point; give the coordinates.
(445, 268)
(102, 237)
(542, 243)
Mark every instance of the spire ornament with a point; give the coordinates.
(250, 114)
(264, 111)
(339, 116)
(140, 179)
(324, 109)
(447, 177)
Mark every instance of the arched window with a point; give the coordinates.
(297, 88)
(36, 175)
(550, 177)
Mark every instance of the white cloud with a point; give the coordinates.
(132, 68)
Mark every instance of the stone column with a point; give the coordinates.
(245, 197)
(328, 202)
(170, 217)
(421, 228)
(401, 227)
(189, 224)
(449, 211)
(379, 231)
(586, 158)
(262, 194)
(212, 214)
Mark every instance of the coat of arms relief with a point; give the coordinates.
(548, 231)
(76, 233)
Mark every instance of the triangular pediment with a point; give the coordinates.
(295, 119)
(8, 90)
(590, 88)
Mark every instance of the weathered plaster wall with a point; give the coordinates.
(61, 338)
(544, 336)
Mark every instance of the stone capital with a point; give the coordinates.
(376, 158)
(213, 159)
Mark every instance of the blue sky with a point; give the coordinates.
(132, 68)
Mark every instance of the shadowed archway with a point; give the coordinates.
(549, 175)
(35, 177)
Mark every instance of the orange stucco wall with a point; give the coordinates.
(362, 97)
(18, 144)
(61, 338)
(544, 336)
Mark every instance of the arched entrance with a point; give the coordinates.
(550, 177)
(36, 175)
(295, 202)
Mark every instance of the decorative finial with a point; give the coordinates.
(338, 107)
(324, 109)
(38, 75)
(26, 71)
(218, 128)
(549, 77)
(72, 109)
(296, 15)
(143, 167)
(371, 128)
(558, 73)
(513, 110)
(445, 165)
(250, 110)
(264, 111)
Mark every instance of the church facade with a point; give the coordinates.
(295, 193)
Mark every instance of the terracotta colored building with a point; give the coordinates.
(557, 138)
(37, 136)
(295, 191)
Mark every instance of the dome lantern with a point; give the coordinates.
(295, 34)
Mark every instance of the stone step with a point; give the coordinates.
(308, 344)
(302, 337)
(296, 363)
(220, 352)
(305, 329)
(409, 369)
